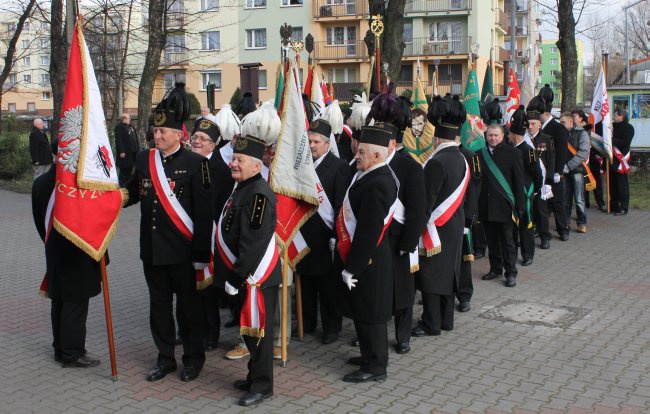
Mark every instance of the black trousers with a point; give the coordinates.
(260, 364)
(163, 283)
(211, 321)
(123, 175)
(403, 324)
(465, 286)
(594, 166)
(478, 237)
(437, 313)
(320, 290)
(619, 191)
(524, 238)
(69, 329)
(540, 214)
(557, 204)
(501, 248)
(373, 343)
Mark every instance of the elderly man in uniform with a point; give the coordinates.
(39, 148)
(174, 189)
(364, 252)
(315, 268)
(248, 265)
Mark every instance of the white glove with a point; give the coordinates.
(546, 192)
(199, 266)
(348, 279)
(402, 252)
(332, 245)
(566, 170)
(556, 178)
(230, 289)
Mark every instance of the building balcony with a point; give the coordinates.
(503, 54)
(345, 91)
(499, 89)
(454, 87)
(428, 7)
(355, 51)
(521, 30)
(339, 9)
(425, 46)
(522, 6)
(502, 22)
(175, 58)
(175, 19)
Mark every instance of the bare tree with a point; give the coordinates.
(58, 61)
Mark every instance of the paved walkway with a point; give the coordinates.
(569, 338)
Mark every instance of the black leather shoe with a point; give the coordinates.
(330, 338)
(419, 332)
(360, 376)
(464, 307)
(478, 254)
(252, 398)
(490, 276)
(545, 244)
(403, 348)
(231, 323)
(527, 262)
(620, 212)
(190, 372)
(357, 361)
(82, 362)
(159, 372)
(242, 385)
(210, 345)
(564, 236)
(510, 282)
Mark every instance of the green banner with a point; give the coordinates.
(471, 135)
(487, 93)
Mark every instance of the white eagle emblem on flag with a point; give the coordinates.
(70, 144)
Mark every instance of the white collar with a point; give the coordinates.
(443, 146)
(391, 156)
(226, 153)
(319, 160)
(374, 167)
(209, 155)
(550, 118)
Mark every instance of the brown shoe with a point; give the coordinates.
(238, 352)
(277, 352)
(582, 228)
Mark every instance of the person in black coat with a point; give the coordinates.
(545, 152)
(444, 173)
(126, 147)
(524, 235)
(39, 148)
(171, 254)
(72, 277)
(501, 203)
(364, 258)
(315, 269)
(620, 187)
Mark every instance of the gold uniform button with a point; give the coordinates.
(155, 201)
(153, 211)
(153, 227)
(153, 219)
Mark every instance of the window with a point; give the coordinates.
(342, 75)
(13, 78)
(406, 73)
(45, 43)
(292, 2)
(641, 107)
(261, 81)
(553, 50)
(171, 78)
(553, 62)
(45, 96)
(26, 27)
(341, 35)
(407, 36)
(31, 107)
(27, 78)
(254, 4)
(555, 73)
(45, 26)
(296, 34)
(45, 60)
(209, 5)
(621, 102)
(256, 38)
(45, 78)
(25, 44)
(210, 77)
(26, 61)
(12, 108)
(210, 40)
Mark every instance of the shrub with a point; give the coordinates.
(236, 98)
(14, 156)
(195, 105)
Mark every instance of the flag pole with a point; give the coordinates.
(299, 305)
(109, 319)
(607, 160)
(283, 320)
(377, 28)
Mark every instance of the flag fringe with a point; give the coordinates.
(202, 284)
(430, 252)
(415, 268)
(254, 332)
(293, 263)
(82, 244)
(468, 258)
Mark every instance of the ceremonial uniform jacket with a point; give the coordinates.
(443, 173)
(334, 176)
(404, 237)
(39, 147)
(560, 137)
(126, 141)
(371, 198)
(470, 205)
(492, 205)
(546, 152)
(622, 136)
(247, 225)
(532, 171)
(222, 181)
(72, 275)
(344, 145)
(161, 242)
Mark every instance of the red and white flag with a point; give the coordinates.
(513, 99)
(88, 197)
(600, 113)
(293, 177)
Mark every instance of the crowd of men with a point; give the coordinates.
(392, 220)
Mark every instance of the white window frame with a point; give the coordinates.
(205, 77)
(287, 3)
(34, 106)
(302, 34)
(45, 60)
(45, 78)
(205, 5)
(205, 40)
(553, 62)
(256, 4)
(25, 44)
(27, 78)
(331, 75)
(332, 38)
(553, 49)
(251, 33)
(27, 61)
(266, 78)
(46, 96)
(11, 107)
(409, 23)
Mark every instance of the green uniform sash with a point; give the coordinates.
(502, 185)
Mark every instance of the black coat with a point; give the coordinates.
(560, 137)
(470, 205)
(126, 141)
(492, 205)
(370, 197)
(39, 147)
(333, 174)
(622, 139)
(344, 145)
(545, 151)
(72, 275)
(404, 237)
(247, 226)
(532, 170)
(443, 173)
(161, 243)
(222, 181)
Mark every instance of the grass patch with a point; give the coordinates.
(640, 195)
(20, 185)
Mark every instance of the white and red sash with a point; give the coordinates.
(623, 166)
(252, 319)
(179, 217)
(346, 222)
(430, 244)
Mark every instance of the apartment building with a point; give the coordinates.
(550, 70)
(528, 39)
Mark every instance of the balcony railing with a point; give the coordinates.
(339, 8)
(521, 30)
(174, 58)
(175, 19)
(503, 54)
(424, 6)
(350, 50)
(345, 91)
(522, 5)
(425, 46)
(454, 87)
(502, 20)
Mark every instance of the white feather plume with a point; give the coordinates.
(263, 123)
(228, 122)
(334, 116)
(360, 110)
